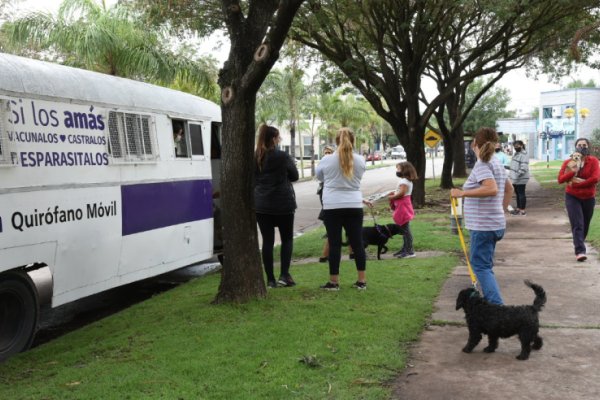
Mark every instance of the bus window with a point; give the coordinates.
(215, 141)
(196, 139)
(179, 139)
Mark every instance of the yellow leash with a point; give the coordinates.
(453, 201)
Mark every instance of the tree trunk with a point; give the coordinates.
(446, 181)
(241, 276)
(458, 145)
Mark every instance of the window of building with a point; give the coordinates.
(547, 112)
(130, 138)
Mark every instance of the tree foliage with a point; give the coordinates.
(111, 40)
(386, 47)
(490, 107)
(578, 83)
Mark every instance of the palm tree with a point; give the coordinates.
(89, 35)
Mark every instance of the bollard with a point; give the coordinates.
(459, 212)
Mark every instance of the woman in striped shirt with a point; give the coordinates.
(487, 193)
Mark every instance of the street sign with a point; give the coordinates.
(432, 138)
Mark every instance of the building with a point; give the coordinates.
(564, 116)
(524, 129)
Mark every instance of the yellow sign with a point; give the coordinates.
(432, 138)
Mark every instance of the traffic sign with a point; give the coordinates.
(432, 138)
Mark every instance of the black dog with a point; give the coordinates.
(378, 235)
(502, 321)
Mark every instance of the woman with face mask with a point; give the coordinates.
(580, 194)
(519, 176)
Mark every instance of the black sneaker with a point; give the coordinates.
(396, 254)
(286, 281)
(351, 256)
(323, 259)
(360, 285)
(330, 286)
(271, 285)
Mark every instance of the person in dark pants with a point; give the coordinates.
(519, 175)
(341, 174)
(580, 194)
(275, 202)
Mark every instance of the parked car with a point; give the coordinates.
(374, 156)
(398, 153)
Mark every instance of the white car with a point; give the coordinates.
(398, 153)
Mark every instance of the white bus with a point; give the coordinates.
(95, 192)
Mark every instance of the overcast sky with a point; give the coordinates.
(525, 92)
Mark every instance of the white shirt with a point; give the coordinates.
(338, 190)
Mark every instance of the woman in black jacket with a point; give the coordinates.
(275, 202)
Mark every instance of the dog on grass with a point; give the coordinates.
(498, 321)
(378, 235)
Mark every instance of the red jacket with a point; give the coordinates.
(590, 172)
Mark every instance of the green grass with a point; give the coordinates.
(178, 346)
(299, 342)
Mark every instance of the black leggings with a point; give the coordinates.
(267, 224)
(351, 219)
(521, 199)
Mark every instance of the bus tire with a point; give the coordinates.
(19, 313)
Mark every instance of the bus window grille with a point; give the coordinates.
(147, 138)
(132, 136)
(114, 142)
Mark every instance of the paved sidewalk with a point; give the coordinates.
(537, 247)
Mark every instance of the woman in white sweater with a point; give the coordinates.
(341, 173)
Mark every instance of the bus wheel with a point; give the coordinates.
(19, 312)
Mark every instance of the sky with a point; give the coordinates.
(524, 91)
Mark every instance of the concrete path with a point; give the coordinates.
(536, 247)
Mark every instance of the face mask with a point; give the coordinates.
(518, 149)
(399, 174)
(583, 150)
(498, 150)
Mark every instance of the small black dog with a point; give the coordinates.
(502, 321)
(378, 235)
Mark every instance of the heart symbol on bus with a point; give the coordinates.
(62, 137)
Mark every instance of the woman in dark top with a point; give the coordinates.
(275, 202)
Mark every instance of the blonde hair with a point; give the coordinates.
(485, 139)
(345, 143)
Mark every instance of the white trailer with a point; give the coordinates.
(95, 192)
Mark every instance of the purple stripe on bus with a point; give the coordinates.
(151, 206)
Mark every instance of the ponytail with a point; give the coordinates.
(486, 139)
(345, 143)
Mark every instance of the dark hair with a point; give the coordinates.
(265, 143)
(485, 139)
(408, 171)
(520, 143)
(582, 139)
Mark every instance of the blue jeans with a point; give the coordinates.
(483, 246)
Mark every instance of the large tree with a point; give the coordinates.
(256, 31)
(385, 47)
